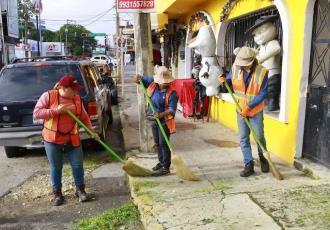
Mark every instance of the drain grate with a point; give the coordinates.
(222, 143)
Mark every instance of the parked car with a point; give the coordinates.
(108, 81)
(101, 59)
(21, 85)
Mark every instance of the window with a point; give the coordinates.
(235, 35)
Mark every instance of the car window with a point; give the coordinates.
(29, 82)
(96, 57)
(103, 58)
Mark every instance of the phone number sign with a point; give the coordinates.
(136, 6)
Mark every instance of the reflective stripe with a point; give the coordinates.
(236, 69)
(244, 96)
(50, 123)
(258, 74)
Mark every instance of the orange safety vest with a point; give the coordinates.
(169, 119)
(245, 96)
(51, 125)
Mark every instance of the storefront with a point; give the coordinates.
(299, 127)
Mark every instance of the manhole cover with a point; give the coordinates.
(185, 125)
(222, 143)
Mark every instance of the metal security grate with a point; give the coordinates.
(236, 37)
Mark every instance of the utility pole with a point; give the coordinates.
(38, 37)
(118, 39)
(66, 38)
(143, 58)
(26, 19)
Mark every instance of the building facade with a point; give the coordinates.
(300, 128)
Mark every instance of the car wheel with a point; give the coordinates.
(13, 152)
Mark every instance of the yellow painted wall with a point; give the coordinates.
(281, 138)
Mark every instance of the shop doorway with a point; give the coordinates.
(316, 144)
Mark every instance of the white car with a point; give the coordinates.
(101, 59)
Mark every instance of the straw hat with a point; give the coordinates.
(163, 75)
(245, 56)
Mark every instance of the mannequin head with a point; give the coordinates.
(264, 33)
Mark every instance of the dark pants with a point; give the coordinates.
(273, 93)
(164, 153)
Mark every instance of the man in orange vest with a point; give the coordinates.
(164, 98)
(249, 82)
(61, 133)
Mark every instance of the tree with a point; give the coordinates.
(72, 34)
(25, 12)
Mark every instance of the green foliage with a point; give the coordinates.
(126, 215)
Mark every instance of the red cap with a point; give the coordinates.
(70, 81)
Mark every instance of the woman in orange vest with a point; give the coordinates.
(249, 82)
(61, 133)
(164, 98)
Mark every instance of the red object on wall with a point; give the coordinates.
(186, 93)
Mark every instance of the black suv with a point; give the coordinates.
(21, 85)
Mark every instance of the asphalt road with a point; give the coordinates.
(15, 171)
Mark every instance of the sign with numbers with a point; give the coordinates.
(136, 6)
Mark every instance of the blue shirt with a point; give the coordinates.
(158, 98)
(247, 78)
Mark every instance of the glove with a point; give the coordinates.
(222, 78)
(137, 78)
(245, 111)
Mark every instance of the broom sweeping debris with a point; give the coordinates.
(129, 166)
(181, 169)
(273, 168)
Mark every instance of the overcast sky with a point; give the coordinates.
(90, 13)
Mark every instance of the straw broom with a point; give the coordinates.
(181, 169)
(273, 168)
(129, 166)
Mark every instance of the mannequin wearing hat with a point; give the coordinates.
(249, 81)
(164, 99)
(269, 55)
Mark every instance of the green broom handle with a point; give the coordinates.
(245, 119)
(157, 119)
(90, 132)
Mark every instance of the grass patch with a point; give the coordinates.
(217, 186)
(138, 185)
(125, 216)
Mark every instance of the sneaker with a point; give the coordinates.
(157, 167)
(161, 172)
(81, 194)
(264, 165)
(58, 197)
(248, 169)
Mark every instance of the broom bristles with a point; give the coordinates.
(135, 170)
(182, 170)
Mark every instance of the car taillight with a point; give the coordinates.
(92, 108)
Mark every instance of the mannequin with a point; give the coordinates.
(269, 55)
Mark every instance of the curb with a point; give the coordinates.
(145, 206)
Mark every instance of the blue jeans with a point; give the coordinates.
(55, 154)
(257, 123)
(164, 153)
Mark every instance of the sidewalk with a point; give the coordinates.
(222, 199)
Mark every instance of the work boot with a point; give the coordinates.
(58, 197)
(264, 165)
(248, 169)
(157, 167)
(81, 194)
(161, 172)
